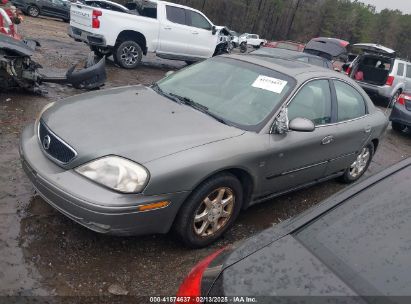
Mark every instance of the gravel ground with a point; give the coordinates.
(45, 254)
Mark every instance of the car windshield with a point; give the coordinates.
(366, 240)
(240, 93)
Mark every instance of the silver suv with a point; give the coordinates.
(379, 72)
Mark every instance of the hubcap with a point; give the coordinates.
(129, 55)
(33, 11)
(214, 212)
(358, 167)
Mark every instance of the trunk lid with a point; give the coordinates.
(328, 48)
(81, 16)
(375, 49)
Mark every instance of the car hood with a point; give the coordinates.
(133, 122)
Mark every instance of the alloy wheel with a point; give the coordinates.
(129, 55)
(214, 212)
(33, 11)
(358, 167)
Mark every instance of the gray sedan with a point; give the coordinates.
(197, 147)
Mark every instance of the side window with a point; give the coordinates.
(199, 21)
(176, 14)
(408, 71)
(401, 68)
(313, 102)
(350, 102)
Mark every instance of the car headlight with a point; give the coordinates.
(116, 173)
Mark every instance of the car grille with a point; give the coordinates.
(55, 147)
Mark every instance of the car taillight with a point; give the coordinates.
(348, 71)
(190, 289)
(95, 22)
(403, 97)
(390, 80)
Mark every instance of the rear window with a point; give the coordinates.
(401, 68)
(408, 71)
(366, 241)
(176, 14)
(288, 46)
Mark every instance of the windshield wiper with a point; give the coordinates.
(195, 105)
(170, 96)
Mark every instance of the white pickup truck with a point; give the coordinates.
(169, 30)
(252, 39)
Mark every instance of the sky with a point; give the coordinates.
(402, 5)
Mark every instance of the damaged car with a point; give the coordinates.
(19, 70)
(190, 152)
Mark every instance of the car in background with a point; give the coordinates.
(50, 8)
(235, 40)
(207, 142)
(287, 45)
(401, 113)
(293, 55)
(352, 248)
(253, 40)
(379, 72)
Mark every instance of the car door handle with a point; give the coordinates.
(327, 140)
(195, 33)
(167, 28)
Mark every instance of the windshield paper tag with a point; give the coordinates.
(270, 84)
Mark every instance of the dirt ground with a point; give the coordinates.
(42, 253)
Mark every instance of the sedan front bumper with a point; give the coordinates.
(92, 205)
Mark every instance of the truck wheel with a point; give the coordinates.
(33, 11)
(128, 55)
(209, 211)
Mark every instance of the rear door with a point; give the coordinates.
(203, 42)
(351, 130)
(376, 49)
(175, 35)
(59, 8)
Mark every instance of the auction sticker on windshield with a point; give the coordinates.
(270, 84)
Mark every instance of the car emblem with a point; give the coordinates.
(46, 142)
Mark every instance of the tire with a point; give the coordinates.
(393, 99)
(33, 11)
(100, 52)
(349, 176)
(398, 127)
(200, 233)
(128, 54)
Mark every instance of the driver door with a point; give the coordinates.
(299, 158)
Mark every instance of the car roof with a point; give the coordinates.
(284, 53)
(298, 70)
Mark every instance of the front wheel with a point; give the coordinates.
(128, 55)
(33, 11)
(360, 165)
(210, 211)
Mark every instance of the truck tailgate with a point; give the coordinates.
(81, 16)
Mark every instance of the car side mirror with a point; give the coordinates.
(214, 30)
(281, 122)
(300, 124)
(169, 73)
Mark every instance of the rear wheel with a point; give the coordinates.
(360, 165)
(209, 211)
(398, 127)
(33, 11)
(128, 54)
